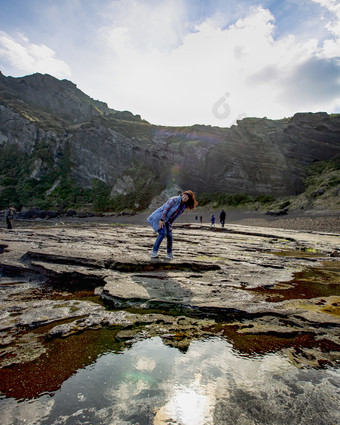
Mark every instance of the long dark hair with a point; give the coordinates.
(191, 203)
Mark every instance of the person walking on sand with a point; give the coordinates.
(161, 220)
(9, 216)
(212, 220)
(222, 218)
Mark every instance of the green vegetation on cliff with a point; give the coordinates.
(27, 179)
(225, 199)
(38, 180)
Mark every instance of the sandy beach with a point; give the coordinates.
(320, 221)
(306, 221)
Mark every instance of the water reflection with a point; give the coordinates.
(152, 383)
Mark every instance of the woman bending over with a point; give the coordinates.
(161, 220)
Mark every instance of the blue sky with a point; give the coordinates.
(182, 62)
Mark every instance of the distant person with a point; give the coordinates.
(212, 220)
(196, 218)
(222, 218)
(9, 215)
(201, 219)
(161, 220)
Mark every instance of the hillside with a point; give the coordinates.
(59, 149)
(322, 191)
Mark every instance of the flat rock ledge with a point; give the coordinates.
(236, 282)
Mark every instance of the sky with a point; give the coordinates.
(182, 62)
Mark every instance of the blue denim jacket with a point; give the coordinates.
(154, 218)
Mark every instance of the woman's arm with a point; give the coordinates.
(167, 207)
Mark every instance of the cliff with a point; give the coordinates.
(58, 132)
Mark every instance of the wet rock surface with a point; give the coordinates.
(265, 289)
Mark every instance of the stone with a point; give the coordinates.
(123, 186)
(65, 279)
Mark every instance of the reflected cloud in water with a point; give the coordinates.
(152, 383)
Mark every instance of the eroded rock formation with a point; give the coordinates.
(256, 156)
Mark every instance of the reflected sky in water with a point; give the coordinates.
(152, 383)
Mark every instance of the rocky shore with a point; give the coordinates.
(264, 288)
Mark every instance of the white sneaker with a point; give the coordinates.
(154, 254)
(170, 256)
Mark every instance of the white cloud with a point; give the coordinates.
(146, 25)
(331, 46)
(27, 58)
(154, 59)
(242, 68)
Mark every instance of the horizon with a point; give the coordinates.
(182, 62)
(173, 126)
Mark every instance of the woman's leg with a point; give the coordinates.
(160, 237)
(168, 239)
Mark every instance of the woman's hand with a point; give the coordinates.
(161, 224)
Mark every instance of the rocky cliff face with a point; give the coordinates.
(61, 98)
(256, 156)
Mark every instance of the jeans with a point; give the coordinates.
(165, 231)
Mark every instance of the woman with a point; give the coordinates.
(162, 219)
